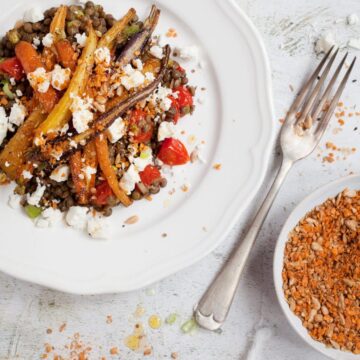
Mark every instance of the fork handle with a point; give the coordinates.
(212, 309)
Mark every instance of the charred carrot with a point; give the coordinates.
(78, 176)
(91, 160)
(66, 54)
(57, 26)
(103, 155)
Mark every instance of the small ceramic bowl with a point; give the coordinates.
(314, 199)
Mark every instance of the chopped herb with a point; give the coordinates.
(7, 90)
(188, 326)
(131, 30)
(170, 320)
(33, 211)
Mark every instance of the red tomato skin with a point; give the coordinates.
(103, 191)
(13, 68)
(173, 152)
(184, 97)
(140, 137)
(149, 175)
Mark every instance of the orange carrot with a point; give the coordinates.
(78, 177)
(67, 55)
(91, 160)
(103, 155)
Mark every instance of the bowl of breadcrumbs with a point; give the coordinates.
(317, 269)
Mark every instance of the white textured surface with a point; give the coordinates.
(289, 29)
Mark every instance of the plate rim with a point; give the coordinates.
(107, 283)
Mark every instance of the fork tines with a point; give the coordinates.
(313, 102)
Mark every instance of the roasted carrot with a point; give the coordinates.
(66, 54)
(12, 158)
(57, 26)
(91, 160)
(103, 155)
(30, 61)
(78, 177)
(48, 59)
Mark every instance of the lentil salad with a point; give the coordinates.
(89, 106)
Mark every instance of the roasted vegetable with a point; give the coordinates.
(61, 114)
(66, 54)
(57, 26)
(13, 157)
(103, 155)
(78, 177)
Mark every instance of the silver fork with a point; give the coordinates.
(304, 125)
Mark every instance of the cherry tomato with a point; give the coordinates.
(184, 97)
(149, 175)
(179, 68)
(12, 67)
(103, 191)
(140, 126)
(173, 152)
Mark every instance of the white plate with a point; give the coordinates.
(237, 125)
(314, 199)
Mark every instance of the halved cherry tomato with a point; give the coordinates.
(140, 126)
(12, 67)
(103, 191)
(173, 152)
(149, 175)
(184, 97)
(179, 68)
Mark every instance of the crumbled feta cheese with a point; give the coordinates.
(27, 175)
(128, 69)
(64, 129)
(156, 51)
(7, 164)
(36, 196)
(354, 43)
(60, 174)
(196, 154)
(77, 217)
(324, 43)
(161, 98)
(17, 114)
(135, 79)
(33, 15)
(14, 201)
(116, 131)
(4, 121)
(82, 115)
(60, 77)
(102, 56)
(81, 39)
(48, 40)
(352, 19)
(143, 160)
(73, 144)
(201, 100)
(36, 42)
(12, 81)
(149, 76)
(129, 179)
(166, 130)
(48, 218)
(98, 228)
(39, 79)
(138, 63)
(88, 171)
(18, 93)
(190, 53)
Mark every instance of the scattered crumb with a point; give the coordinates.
(139, 311)
(48, 348)
(281, 121)
(154, 322)
(341, 122)
(164, 235)
(291, 88)
(185, 187)
(131, 220)
(114, 351)
(172, 191)
(171, 33)
(49, 331)
(191, 139)
(335, 131)
(217, 166)
(148, 197)
(174, 355)
(62, 327)
(204, 228)
(328, 158)
(109, 319)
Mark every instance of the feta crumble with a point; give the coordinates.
(61, 173)
(88, 171)
(48, 40)
(189, 53)
(102, 56)
(27, 175)
(161, 98)
(196, 154)
(76, 217)
(156, 51)
(36, 42)
(354, 43)
(18, 93)
(81, 39)
(133, 79)
(35, 197)
(60, 77)
(116, 131)
(138, 63)
(166, 130)
(39, 79)
(14, 201)
(324, 43)
(3, 124)
(352, 19)
(143, 160)
(81, 113)
(129, 179)
(17, 114)
(98, 228)
(149, 76)
(33, 15)
(48, 218)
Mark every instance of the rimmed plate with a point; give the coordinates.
(235, 123)
(314, 199)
